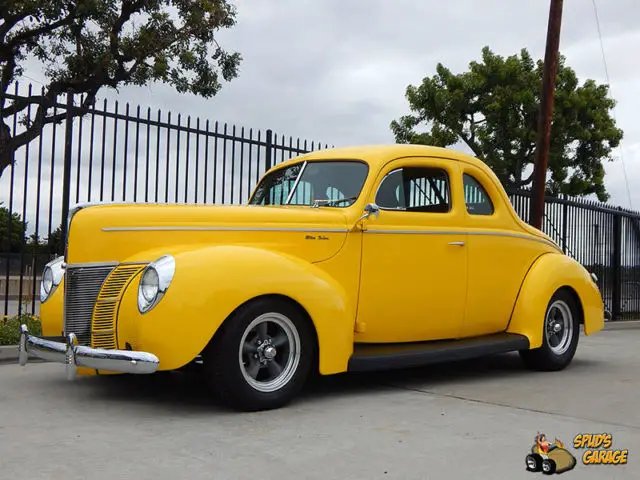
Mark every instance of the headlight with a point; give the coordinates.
(154, 282)
(51, 278)
(149, 284)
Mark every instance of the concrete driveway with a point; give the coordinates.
(467, 420)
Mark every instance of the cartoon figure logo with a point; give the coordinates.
(549, 457)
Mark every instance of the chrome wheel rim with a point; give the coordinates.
(269, 352)
(559, 327)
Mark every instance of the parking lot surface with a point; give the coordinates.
(468, 420)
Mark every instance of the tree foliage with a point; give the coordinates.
(13, 238)
(493, 109)
(51, 244)
(85, 45)
(12, 229)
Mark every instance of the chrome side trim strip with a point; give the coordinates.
(417, 232)
(523, 237)
(221, 229)
(319, 230)
(462, 232)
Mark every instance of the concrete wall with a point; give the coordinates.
(14, 287)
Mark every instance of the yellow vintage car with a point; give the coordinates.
(343, 260)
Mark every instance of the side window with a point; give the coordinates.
(476, 197)
(415, 189)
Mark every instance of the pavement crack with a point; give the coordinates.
(513, 407)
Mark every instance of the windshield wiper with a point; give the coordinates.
(325, 202)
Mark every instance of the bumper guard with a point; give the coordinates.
(74, 355)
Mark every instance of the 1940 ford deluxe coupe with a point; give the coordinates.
(350, 259)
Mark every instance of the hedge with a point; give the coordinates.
(10, 328)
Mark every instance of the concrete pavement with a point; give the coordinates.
(467, 420)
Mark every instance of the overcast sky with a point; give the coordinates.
(336, 71)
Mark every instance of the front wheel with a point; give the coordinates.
(533, 462)
(559, 337)
(548, 466)
(262, 355)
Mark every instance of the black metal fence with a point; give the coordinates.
(605, 239)
(132, 154)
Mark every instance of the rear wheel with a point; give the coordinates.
(559, 337)
(262, 355)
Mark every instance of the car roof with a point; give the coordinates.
(376, 155)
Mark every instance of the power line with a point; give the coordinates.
(606, 72)
(32, 79)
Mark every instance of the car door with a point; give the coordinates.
(498, 256)
(414, 277)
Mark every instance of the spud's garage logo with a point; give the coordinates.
(549, 458)
(598, 449)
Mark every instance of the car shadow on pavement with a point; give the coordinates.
(186, 391)
(496, 367)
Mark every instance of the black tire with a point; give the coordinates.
(548, 466)
(549, 357)
(533, 462)
(231, 378)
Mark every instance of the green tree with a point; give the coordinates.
(55, 243)
(85, 45)
(12, 229)
(493, 109)
(51, 245)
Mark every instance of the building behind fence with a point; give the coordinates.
(116, 153)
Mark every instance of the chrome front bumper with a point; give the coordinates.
(74, 355)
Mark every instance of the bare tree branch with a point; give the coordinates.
(470, 141)
(10, 21)
(83, 60)
(524, 182)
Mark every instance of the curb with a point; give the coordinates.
(622, 324)
(9, 354)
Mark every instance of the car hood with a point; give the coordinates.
(128, 232)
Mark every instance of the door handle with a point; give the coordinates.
(457, 244)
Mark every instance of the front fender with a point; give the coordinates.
(549, 273)
(211, 282)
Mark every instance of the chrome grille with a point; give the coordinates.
(103, 331)
(82, 286)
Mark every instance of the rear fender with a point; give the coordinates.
(549, 273)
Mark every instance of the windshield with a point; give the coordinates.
(327, 183)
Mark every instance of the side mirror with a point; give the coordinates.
(370, 210)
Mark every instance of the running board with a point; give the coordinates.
(389, 356)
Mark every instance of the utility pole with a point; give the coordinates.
(549, 73)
